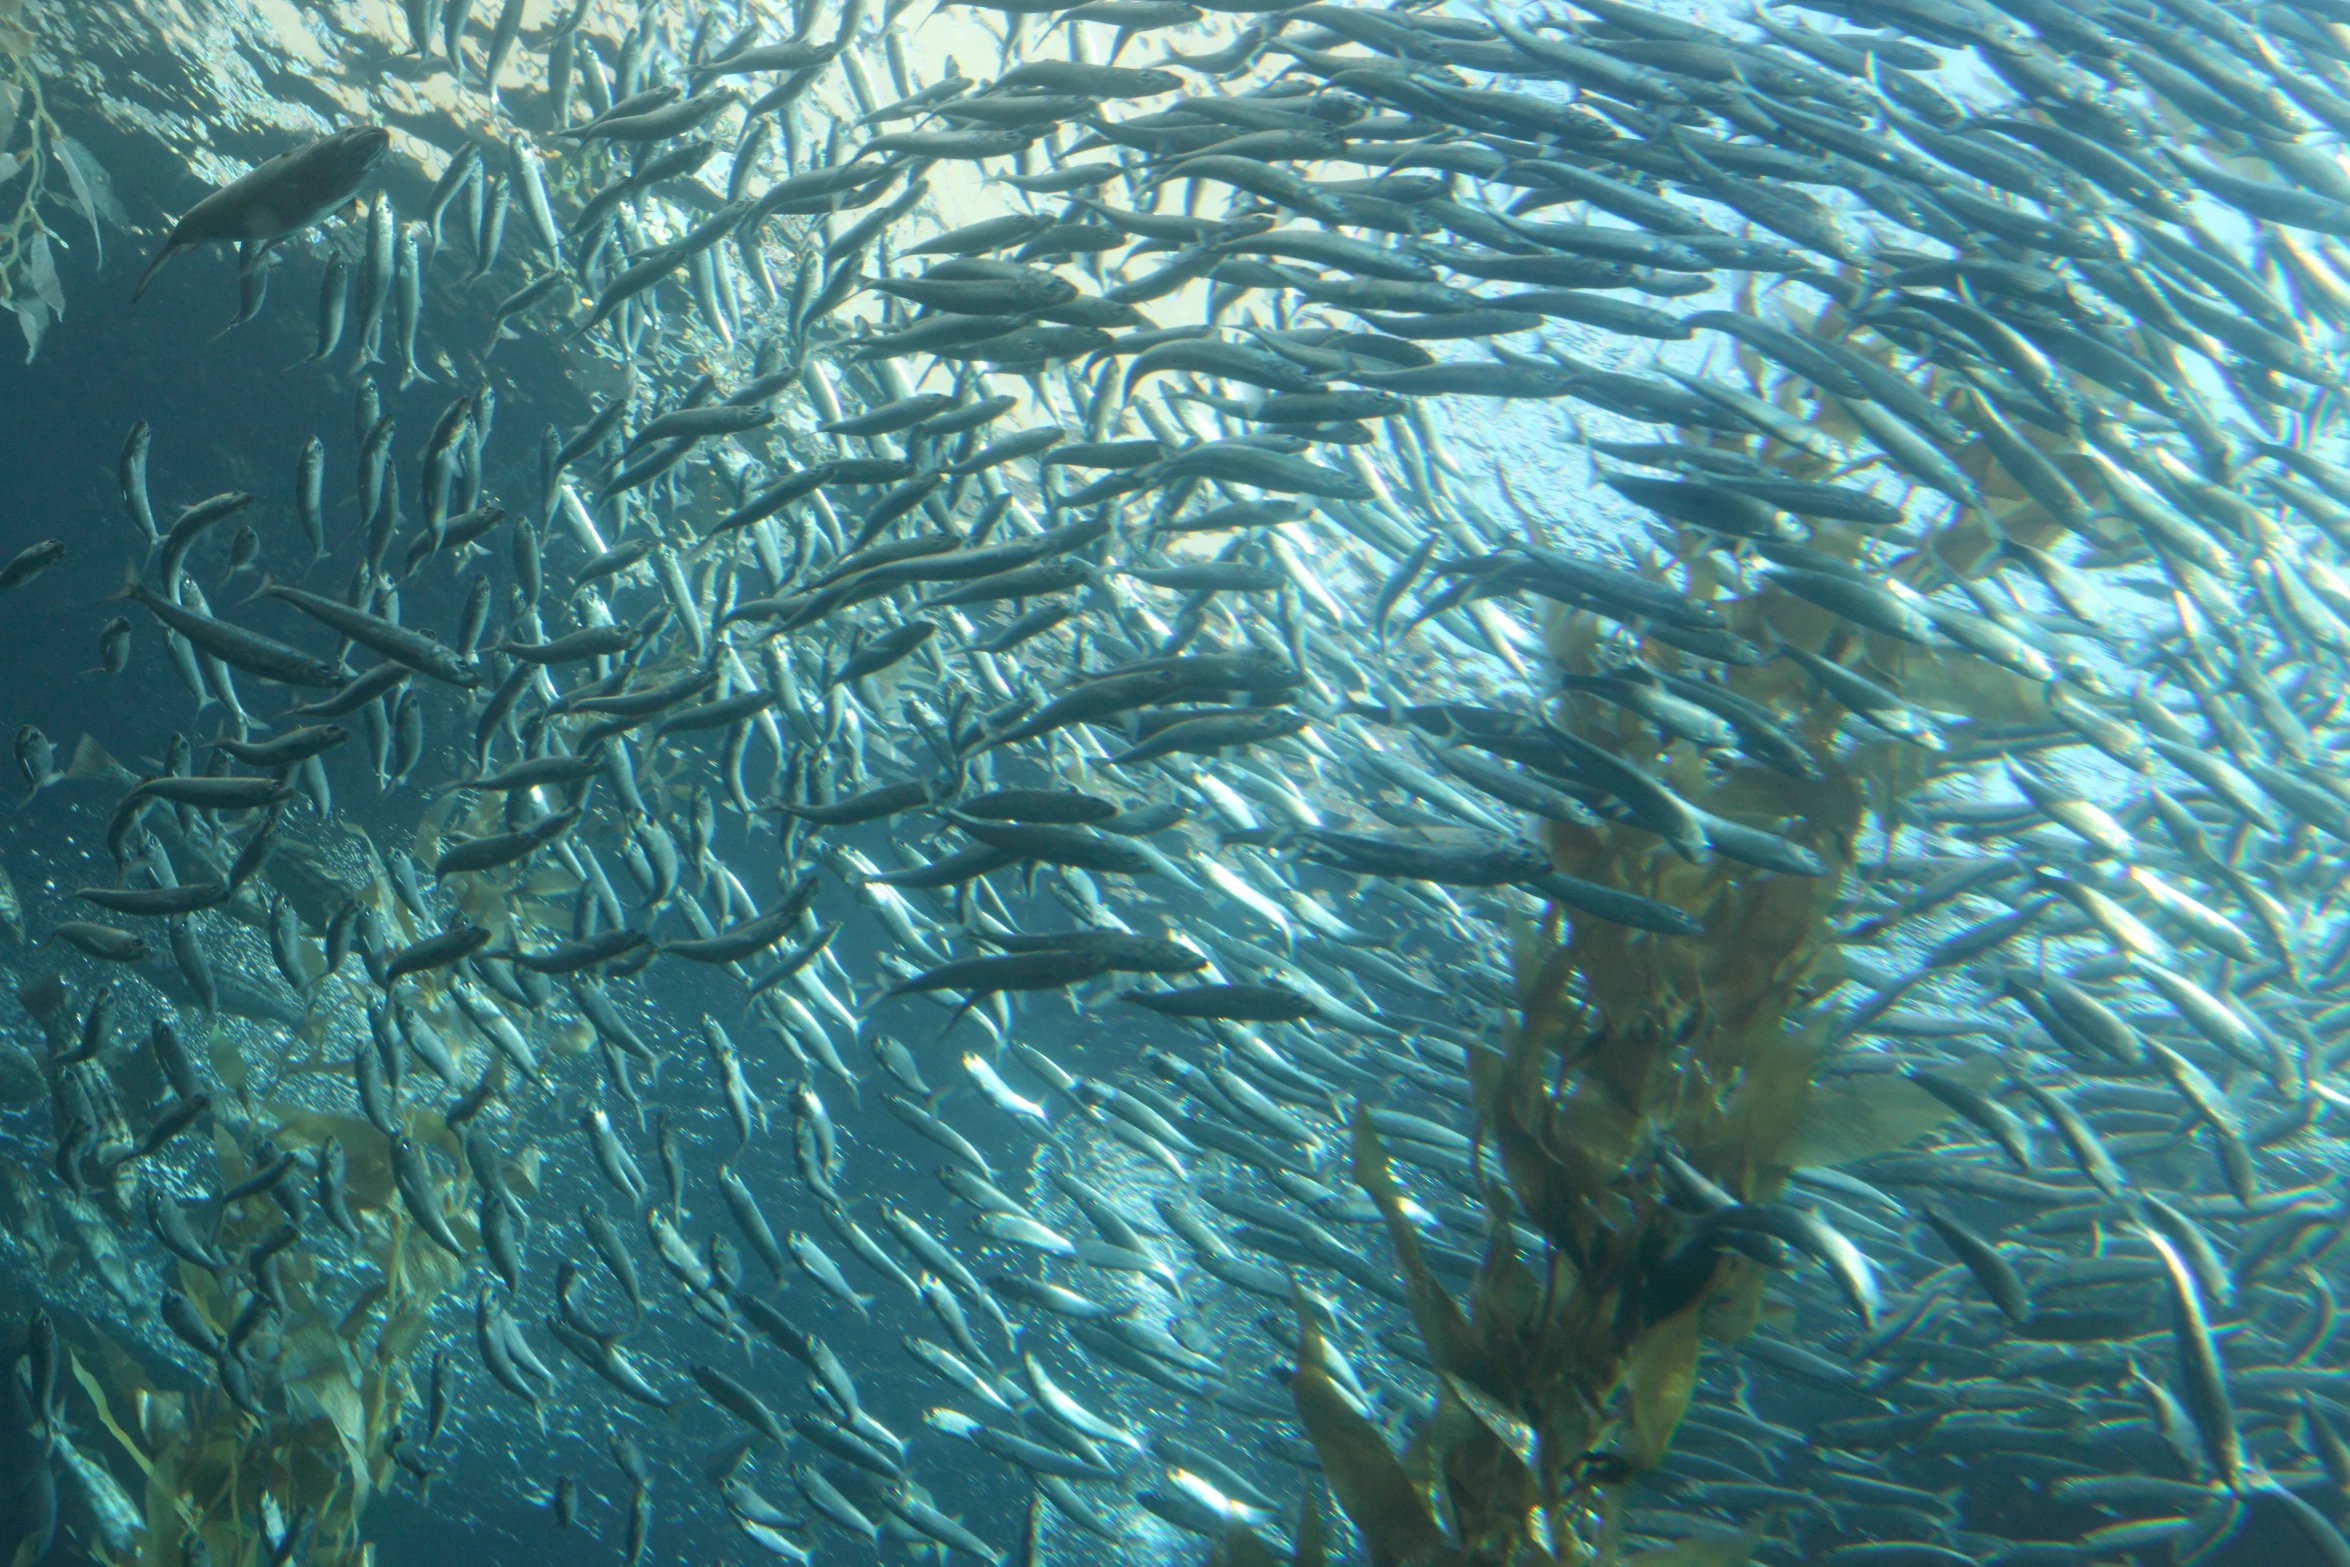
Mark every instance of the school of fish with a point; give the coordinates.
(1052, 645)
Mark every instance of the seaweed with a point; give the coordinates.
(223, 1486)
(35, 156)
(1561, 1377)
(225, 1479)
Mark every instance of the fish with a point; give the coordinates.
(283, 195)
(30, 562)
(1817, 659)
(229, 642)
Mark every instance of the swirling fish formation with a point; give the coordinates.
(1034, 524)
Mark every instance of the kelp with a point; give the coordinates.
(1562, 1377)
(306, 1443)
(334, 1387)
(332, 1373)
(224, 1476)
(41, 167)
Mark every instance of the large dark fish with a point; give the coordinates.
(283, 196)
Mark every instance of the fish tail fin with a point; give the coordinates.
(92, 760)
(262, 589)
(131, 585)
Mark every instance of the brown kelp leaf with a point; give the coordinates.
(98, 1401)
(1528, 949)
(1312, 1535)
(169, 1515)
(1546, 1006)
(1757, 795)
(1660, 1374)
(1859, 1115)
(1888, 772)
(228, 1063)
(125, 1375)
(369, 1157)
(1982, 691)
(430, 826)
(522, 1171)
(1784, 617)
(330, 1387)
(24, 1210)
(1242, 1546)
(403, 1333)
(1485, 1068)
(1508, 1301)
(1514, 1434)
(1373, 1488)
(1728, 1312)
(234, 1167)
(1482, 1491)
(1444, 1332)
(1968, 545)
(1428, 1458)
(1554, 1187)
(1742, 1140)
(1572, 637)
